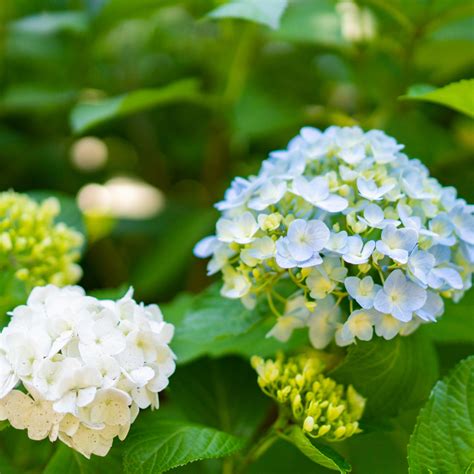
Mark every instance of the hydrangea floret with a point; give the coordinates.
(37, 249)
(86, 366)
(370, 243)
(320, 406)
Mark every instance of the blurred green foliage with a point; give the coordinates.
(185, 99)
(184, 102)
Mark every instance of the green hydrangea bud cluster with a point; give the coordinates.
(323, 408)
(37, 249)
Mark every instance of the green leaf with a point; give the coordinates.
(224, 395)
(307, 21)
(455, 326)
(265, 12)
(205, 319)
(458, 95)
(443, 439)
(156, 447)
(67, 461)
(87, 115)
(35, 98)
(317, 452)
(110, 293)
(231, 330)
(284, 458)
(48, 23)
(393, 375)
(164, 263)
(389, 450)
(212, 316)
(5, 465)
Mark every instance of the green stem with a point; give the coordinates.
(272, 304)
(258, 449)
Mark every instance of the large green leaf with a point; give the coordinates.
(224, 395)
(266, 12)
(443, 439)
(317, 452)
(67, 461)
(393, 375)
(164, 444)
(458, 95)
(85, 115)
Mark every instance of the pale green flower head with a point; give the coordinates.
(322, 407)
(32, 245)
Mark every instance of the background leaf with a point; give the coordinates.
(458, 96)
(393, 375)
(87, 115)
(443, 440)
(266, 12)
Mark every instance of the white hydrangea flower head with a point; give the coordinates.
(87, 366)
(368, 241)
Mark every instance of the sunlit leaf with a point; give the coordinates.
(87, 115)
(52, 22)
(266, 12)
(443, 440)
(458, 95)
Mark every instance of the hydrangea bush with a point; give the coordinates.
(86, 366)
(368, 241)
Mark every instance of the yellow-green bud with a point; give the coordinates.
(35, 248)
(317, 403)
(271, 221)
(308, 424)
